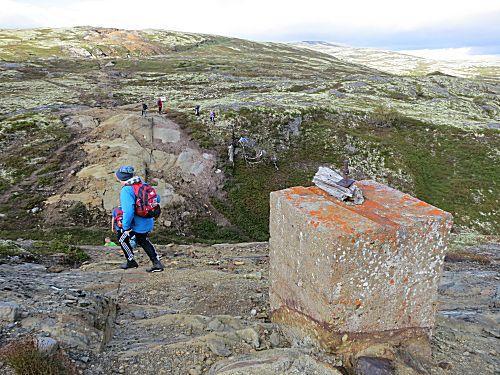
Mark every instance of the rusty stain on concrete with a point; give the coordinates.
(369, 271)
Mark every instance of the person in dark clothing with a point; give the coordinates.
(197, 110)
(133, 224)
(144, 109)
(160, 105)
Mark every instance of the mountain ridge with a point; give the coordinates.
(405, 63)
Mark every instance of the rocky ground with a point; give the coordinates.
(208, 314)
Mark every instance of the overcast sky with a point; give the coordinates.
(391, 24)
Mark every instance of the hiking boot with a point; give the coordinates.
(129, 264)
(157, 267)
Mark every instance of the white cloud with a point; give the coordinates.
(259, 19)
(453, 54)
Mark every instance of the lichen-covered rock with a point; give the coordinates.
(155, 146)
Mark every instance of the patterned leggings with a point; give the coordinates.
(142, 240)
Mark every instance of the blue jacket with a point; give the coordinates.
(130, 219)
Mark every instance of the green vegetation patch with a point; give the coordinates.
(453, 169)
(9, 249)
(68, 236)
(28, 140)
(72, 255)
(209, 231)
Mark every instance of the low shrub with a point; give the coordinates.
(73, 255)
(23, 357)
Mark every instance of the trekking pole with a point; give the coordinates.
(152, 143)
(152, 132)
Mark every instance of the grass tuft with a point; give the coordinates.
(25, 359)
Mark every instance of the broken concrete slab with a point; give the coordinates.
(345, 277)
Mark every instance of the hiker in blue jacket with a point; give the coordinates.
(132, 224)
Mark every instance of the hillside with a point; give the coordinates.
(69, 106)
(406, 64)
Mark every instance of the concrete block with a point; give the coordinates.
(345, 276)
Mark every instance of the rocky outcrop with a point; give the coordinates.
(275, 361)
(157, 148)
(56, 309)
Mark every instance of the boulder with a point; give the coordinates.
(250, 336)
(9, 311)
(218, 347)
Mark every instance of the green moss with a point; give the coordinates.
(51, 167)
(28, 141)
(385, 116)
(70, 236)
(194, 127)
(8, 249)
(208, 230)
(79, 213)
(72, 255)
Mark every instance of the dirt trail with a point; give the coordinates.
(210, 303)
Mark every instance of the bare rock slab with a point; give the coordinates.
(271, 362)
(345, 276)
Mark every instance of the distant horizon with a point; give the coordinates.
(471, 27)
(455, 53)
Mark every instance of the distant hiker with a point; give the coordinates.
(197, 110)
(108, 242)
(140, 206)
(212, 116)
(144, 109)
(160, 105)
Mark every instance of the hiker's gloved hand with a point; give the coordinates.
(128, 232)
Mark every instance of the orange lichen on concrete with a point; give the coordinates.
(383, 206)
(369, 269)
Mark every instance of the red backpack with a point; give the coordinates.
(118, 214)
(146, 201)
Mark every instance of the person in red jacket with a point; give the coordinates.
(160, 105)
